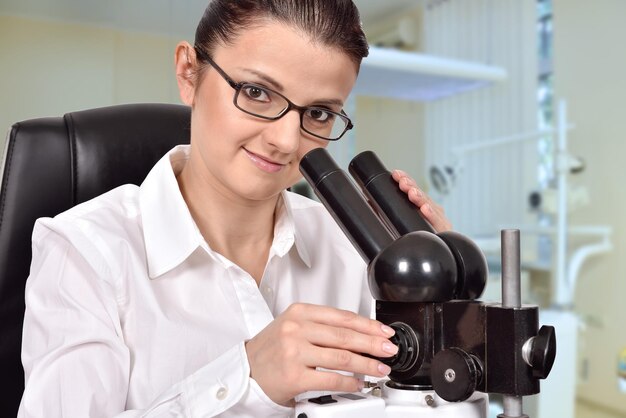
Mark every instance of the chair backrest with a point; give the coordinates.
(52, 164)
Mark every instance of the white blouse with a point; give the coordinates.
(128, 309)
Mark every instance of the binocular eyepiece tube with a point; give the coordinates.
(407, 261)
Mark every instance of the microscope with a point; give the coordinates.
(454, 350)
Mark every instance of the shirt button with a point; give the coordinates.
(222, 393)
(268, 291)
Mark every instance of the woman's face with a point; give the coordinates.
(242, 156)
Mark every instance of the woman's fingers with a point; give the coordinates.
(344, 360)
(430, 210)
(338, 318)
(305, 337)
(346, 339)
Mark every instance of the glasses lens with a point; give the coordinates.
(260, 101)
(324, 123)
(263, 102)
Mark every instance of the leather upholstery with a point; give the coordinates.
(52, 164)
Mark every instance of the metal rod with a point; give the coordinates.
(562, 296)
(524, 136)
(511, 297)
(511, 276)
(512, 406)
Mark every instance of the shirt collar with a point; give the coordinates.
(171, 234)
(286, 231)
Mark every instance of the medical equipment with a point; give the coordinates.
(453, 349)
(558, 201)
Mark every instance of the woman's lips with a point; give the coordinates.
(263, 163)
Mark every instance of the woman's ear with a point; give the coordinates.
(186, 72)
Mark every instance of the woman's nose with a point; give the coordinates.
(285, 133)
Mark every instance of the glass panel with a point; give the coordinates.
(545, 92)
(544, 29)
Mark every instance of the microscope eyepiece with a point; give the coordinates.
(397, 211)
(345, 203)
(385, 196)
(417, 267)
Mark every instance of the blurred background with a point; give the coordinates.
(510, 113)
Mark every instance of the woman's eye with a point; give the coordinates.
(256, 93)
(320, 115)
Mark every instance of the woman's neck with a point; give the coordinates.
(239, 229)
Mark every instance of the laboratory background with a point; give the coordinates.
(509, 113)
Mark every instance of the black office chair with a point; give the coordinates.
(52, 164)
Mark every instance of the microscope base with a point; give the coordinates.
(394, 403)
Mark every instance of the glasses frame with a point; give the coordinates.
(290, 105)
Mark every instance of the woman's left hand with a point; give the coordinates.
(430, 210)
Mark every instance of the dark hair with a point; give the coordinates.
(334, 23)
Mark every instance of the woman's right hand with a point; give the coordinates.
(284, 356)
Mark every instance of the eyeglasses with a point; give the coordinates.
(264, 103)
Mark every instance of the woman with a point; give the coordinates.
(209, 290)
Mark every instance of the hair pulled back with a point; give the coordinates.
(333, 23)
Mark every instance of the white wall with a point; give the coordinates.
(589, 68)
(491, 191)
(393, 129)
(49, 68)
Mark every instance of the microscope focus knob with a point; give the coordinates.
(455, 374)
(539, 352)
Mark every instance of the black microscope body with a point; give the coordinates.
(425, 285)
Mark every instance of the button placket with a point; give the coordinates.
(267, 282)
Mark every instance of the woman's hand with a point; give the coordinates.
(431, 211)
(284, 356)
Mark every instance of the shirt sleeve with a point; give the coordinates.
(76, 362)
